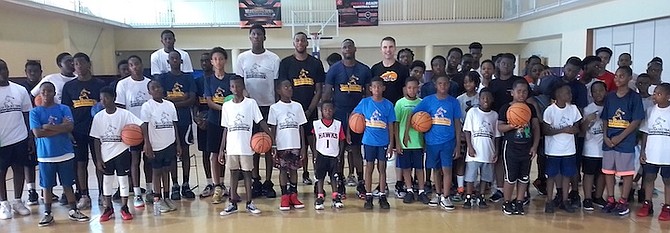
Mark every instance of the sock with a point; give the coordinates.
(368, 194)
(334, 195)
(421, 191)
(409, 190)
(137, 191)
(460, 180)
(150, 188)
(293, 188)
(209, 181)
(30, 186)
(248, 202)
(382, 194)
(185, 184)
(320, 195)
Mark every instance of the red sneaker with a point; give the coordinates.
(285, 203)
(126, 215)
(295, 202)
(107, 215)
(645, 210)
(665, 213)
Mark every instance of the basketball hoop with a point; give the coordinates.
(316, 43)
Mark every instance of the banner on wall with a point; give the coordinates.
(264, 12)
(353, 13)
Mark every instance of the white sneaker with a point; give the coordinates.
(434, 201)
(171, 205)
(446, 203)
(84, 202)
(5, 210)
(20, 208)
(251, 208)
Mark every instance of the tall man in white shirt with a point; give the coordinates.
(159, 58)
(65, 63)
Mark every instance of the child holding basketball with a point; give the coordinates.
(286, 118)
(467, 100)
(482, 139)
(329, 137)
(160, 143)
(442, 138)
(520, 143)
(653, 155)
(237, 118)
(410, 143)
(378, 138)
(592, 162)
(113, 154)
(560, 125)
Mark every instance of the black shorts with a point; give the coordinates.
(579, 146)
(592, 166)
(214, 135)
(325, 165)
(516, 160)
(165, 157)
(32, 159)
(202, 139)
(15, 154)
(138, 148)
(119, 164)
(82, 144)
(265, 111)
(307, 127)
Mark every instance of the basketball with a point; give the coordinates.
(357, 123)
(132, 135)
(518, 114)
(261, 142)
(421, 121)
(38, 100)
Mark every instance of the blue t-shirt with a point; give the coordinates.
(579, 93)
(429, 88)
(348, 83)
(57, 145)
(177, 86)
(378, 116)
(619, 113)
(444, 112)
(217, 89)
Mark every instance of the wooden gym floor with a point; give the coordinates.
(201, 216)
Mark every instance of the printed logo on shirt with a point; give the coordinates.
(389, 76)
(255, 73)
(564, 122)
(9, 105)
(375, 121)
(139, 98)
(111, 135)
(289, 122)
(485, 130)
(84, 100)
(440, 119)
(523, 133)
(597, 128)
(202, 100)
(165, 122)
(176, 91)
(352, 85)
(328, 135)
(219, 95)
(617, 120)
(659, 127)
(239, 125)
(303, 79)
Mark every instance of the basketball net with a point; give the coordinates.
(316, 47)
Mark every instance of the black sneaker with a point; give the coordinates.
(558, 200)
(256, 188)
(549, 207)
(409, 198)
(481, 201)
(268, 189)
(621, 209)
(360, 189)
(526, 200)
(575, 199)
(368, 202)
(428, 187)
(318, 204)
(599, 202)
(423, 198)
(175, 195)
(383, 202)
(609, 207)
(305, 178)
(187, 192)
(567, 206)
(508, 208)
(541, 187)
(588, 205)
(33, 197)
(467, 204)
(497, 196)
(518, 208)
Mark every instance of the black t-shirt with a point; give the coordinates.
(518, 136)
(459, 78)
(217, 89)
(176, 86)
(81, 96)
(502, 91)
(394, 78)
(201, 101)
(29, 86)
(305, 76)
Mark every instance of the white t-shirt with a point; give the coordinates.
(467, 102)
(107, 128)
(132, 94)
(657, 129)
(15, 102)
(239, 119)
(328, 137)
(483, 127)
(160, 118)
(287, 117)
(58, 80)
(562, 144)
(593, 140)
(259, 72)
(159, 62)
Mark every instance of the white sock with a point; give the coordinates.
(209, 181)
(459, 180)
(150, 188)
(137, 191)
(30, 186)
(421, 191)
(409, 190)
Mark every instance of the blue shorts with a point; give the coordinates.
(441, 155)
(561, 165)
(375, 153)
(65, 171)
(653, 169)
(410, 158)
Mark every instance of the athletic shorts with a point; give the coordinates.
(579, 146)
(185, 137)
(617, 163)
(165, 157)
(63, 170)
(15, 154)
(516, 161)
(474, 169)
(82, 144)
(325, 165)
(342, 115)
(375, 153)
(592, 165)
(202, 139)
(214, 136)
(650, 168)
(561, 165)
(410, 158)
(119, 165)
(441, 155)
(307, 128)
(138, 148)
(287, 160)
(240, 162)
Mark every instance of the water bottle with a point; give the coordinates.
(157, 208)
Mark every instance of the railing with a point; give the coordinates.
(517, 9)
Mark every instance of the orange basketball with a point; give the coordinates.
(518, 114)
(261, 142)
(131, 135)
(421, 121)
(357, 123)
(38, 100)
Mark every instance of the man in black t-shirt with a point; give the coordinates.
(454, 57)
(391, 71)
(33, 76)
(307, 75)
